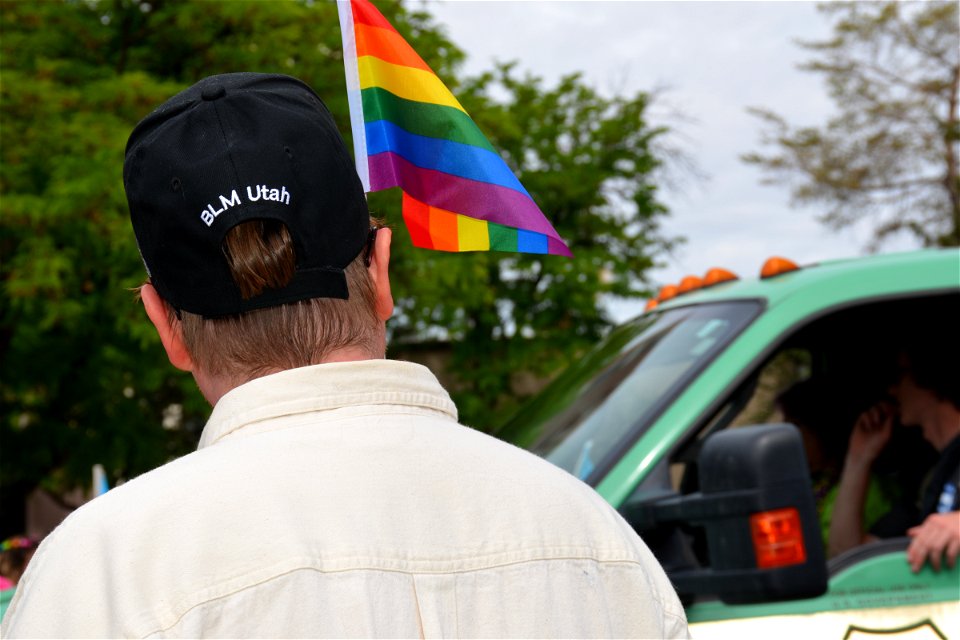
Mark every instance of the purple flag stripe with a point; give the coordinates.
(479, 200)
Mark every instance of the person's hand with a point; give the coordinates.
(871, 432)
(938, 537)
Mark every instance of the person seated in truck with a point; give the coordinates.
(816, 408)
(925, 395)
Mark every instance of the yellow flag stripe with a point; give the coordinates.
(406, 82)
(473, 234)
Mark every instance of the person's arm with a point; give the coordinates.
(870, 434)
(938, 537)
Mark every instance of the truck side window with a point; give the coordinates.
(786, 369)
(753, 403)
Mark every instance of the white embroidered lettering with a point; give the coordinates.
(210, 214)
(232, 202)
(255, 192)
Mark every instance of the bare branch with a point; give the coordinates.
(891, 152)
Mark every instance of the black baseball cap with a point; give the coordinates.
(238, 147)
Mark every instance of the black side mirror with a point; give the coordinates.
(757, 507)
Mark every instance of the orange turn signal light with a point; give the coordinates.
(689, 284)
(778, 538)
(667, 292)
(718, 275)
(776, 265)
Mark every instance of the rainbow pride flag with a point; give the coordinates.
(410, 132)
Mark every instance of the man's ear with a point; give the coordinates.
(379, 267)
(169, 332)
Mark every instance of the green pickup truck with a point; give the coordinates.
(674, 419)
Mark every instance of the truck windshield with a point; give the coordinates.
(601, 404)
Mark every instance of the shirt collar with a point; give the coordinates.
(324, 387)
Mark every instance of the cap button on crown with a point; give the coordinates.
(213, 92)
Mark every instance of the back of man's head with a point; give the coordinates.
(252, 224)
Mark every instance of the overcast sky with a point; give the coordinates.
(717, 58)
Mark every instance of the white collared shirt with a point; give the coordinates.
(344, 500)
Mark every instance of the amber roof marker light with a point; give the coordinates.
(718, 275)
(666, 292)
(688, 284)
(775, 266)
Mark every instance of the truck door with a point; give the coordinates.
(820, 377)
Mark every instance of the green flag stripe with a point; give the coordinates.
(502, 238)
(431, 120)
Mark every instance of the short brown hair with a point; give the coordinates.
(241, 347)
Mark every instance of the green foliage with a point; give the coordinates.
(83, 377)
(890, 153)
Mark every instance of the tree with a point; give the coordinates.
(890, 154)
(83, 378)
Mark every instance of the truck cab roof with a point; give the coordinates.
(835, 280)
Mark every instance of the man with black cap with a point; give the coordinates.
(333, 492)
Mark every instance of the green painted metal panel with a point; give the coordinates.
(888, 272)
(880, 582)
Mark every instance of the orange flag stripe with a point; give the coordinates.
(443, 230)
(387, 45)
